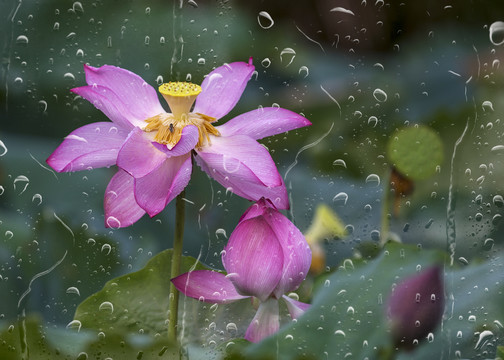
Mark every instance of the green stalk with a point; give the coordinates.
(175, 265)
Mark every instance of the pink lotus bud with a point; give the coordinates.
(416, 306)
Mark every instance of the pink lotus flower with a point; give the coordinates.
(153, 148)
(416, 306)
(266, 257)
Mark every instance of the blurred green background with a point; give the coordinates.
(434, 61)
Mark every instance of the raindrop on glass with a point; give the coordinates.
(113, 222)
(373, 121)
(373, 179)
(69, 76)
(107, 248)
(231, 328)
(342, 10)
(380, 95)
(37, 198)
(498, 200)
(77, 6)
(304, 69)
(21, 179)
(74, 324)
(339, 162)
(22, 40)
(340, 198)
(487, 105)
(498, 149)
(3, 148)
(497, 33)
(289, 54)
(73, 290)
(264, 19)
(220, 232)
(106, 306)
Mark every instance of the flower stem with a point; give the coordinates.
(175, 265)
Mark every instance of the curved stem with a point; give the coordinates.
(178, 241)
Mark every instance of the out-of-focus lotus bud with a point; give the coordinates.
(325, 224)
(416, 307)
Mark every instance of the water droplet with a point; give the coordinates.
(373, 121)
(82, 356)
(265, 21)
(266, 62)
(220, 232)
(106, 306)
(380, 95)
(3, 148)
(74, 324)
(327, 283)
(77, 6)
(488, 244)
(498, 200)
(56, 26)
(147, 10)
(22, 40)
(43, 103)
(463, 261)
(79, 53)
(9, 234)
(113, 222)
(342, 10)
(487, 105)
(379, 65)
(305, 70)
(37, 197)
(201, 61)
(373, 179)
(497, 33)
(339, 162)
(340, 332)
(430, 337)
(231, 328)
(484, 337)
(341, 197)
(147, 40)
(375, 235)
(2, 189)
(348, 264)
(498, 149)
(106, 247)
(21, 179)
(69, 76)
(287, 52)
(73, 290)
